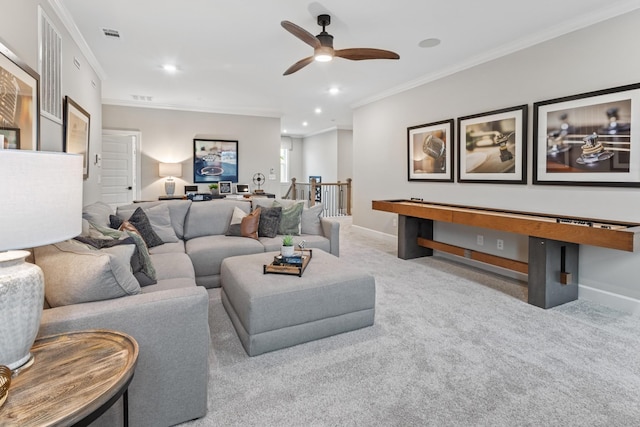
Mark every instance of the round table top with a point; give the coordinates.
(73, 375)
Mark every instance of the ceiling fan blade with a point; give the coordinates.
(298, 65)
(301, 33)
(358, 54)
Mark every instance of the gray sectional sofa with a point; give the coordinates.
(87, 288)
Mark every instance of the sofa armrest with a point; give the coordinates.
(331, 230)
(172, 330)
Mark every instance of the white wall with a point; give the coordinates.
(320, 156)
(345, 155)
(19, 32)
(167, 136)
(598, 57)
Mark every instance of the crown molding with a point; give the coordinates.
(551, 33)
(63, 14)
(229, 111)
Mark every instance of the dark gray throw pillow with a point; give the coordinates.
(269, 221)
(115, 221)
(141, 222)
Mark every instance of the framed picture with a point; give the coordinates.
(19, 100)
(429, 152)
(215, 160)
(224, 187)
(588, 139)
(492, 146)
(11, 138)
(76, 132)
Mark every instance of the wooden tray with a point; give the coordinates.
(293, 270)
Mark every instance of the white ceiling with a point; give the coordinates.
(231, 54)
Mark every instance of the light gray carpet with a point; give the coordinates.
(451, 346)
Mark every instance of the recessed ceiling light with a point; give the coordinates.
(305, 124)
(284, 131)
(170, 68)
(318, 110)
(426, 43)
(334, 91)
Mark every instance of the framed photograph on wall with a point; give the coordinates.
(492, 146)
(224, 187)
(19, 100)
(11, 138)
(76, 132)
(588, 139)
(215, 160)
(430, 152)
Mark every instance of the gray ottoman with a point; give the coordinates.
(273, 311)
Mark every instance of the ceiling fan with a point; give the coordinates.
(323, 46)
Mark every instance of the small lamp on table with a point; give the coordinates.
(41, 204)
(170, 170)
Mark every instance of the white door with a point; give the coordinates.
(119, 186)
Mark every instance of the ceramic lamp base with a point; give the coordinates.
(169, 187)
(21, 301)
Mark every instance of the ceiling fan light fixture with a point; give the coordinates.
(323, 54)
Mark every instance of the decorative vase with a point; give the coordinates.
(214, 192)
(286, 250)
(21, 300)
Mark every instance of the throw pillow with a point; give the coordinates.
(115, 221)
(310, 223)
(243, 224)
(141, 222)
(97, 213)
(75, 273)
(159, 217)
(269, 221)
(290, 219)
(145, 272)
(142, 271)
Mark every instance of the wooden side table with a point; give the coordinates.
(74, 379)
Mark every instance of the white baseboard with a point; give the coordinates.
(609, 299)
(388, 237)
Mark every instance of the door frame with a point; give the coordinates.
(135, 164)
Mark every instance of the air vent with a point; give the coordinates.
(142, 98)
(108, 32)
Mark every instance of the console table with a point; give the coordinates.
(552, 266)
(75, 378)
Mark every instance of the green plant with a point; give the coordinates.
(213, 186)
(287, 240)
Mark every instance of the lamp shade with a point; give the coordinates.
(170, 169)
(41, 198)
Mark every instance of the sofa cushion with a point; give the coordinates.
(243, 224)
(207, 252)
(269, 221)
(159, 218)
(173, 265)
(74, 273)
(178, 210)
(211, 218)
(290, 219)
(97, 213)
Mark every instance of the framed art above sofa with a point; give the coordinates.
(215, 160)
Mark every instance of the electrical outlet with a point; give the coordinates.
(500, 244)
(395, 222)
(480, 240)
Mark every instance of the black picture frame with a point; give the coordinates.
(77, 128)
(430, 151)
(20, 85)
(589, 139)
(492, 146)
(215, 160)
(11, 138)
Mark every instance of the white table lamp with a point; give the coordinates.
(170, 170)
(41, 204)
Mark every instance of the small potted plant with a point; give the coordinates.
(214, 188)
(287, 246)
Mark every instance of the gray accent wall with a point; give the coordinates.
(598, 57)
